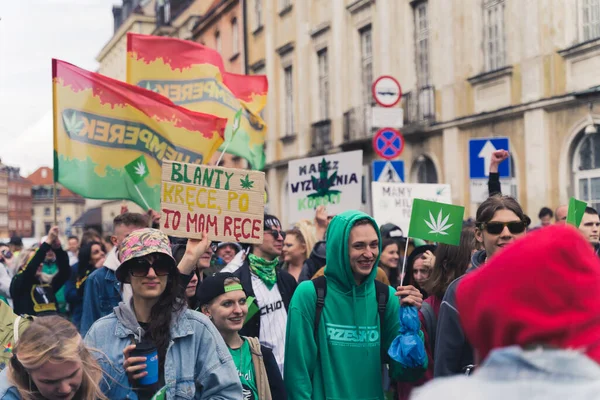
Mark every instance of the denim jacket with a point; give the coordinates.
(7, 390)
(102, 293)
(517, 374)
(197, 366)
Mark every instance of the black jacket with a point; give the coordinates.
(452, 351)
(286, 284)
(315, 262)
(494, 186)
(32, 297)
(273, 374)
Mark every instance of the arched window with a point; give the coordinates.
(586, 169)
(424, 171)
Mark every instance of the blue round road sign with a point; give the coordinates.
(388, 143)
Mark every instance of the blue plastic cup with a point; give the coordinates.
(148, 350)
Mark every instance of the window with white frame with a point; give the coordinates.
(235, 36)
(218, 41)
(323, 65)
(257, 14)
(493, 34)
(586, 168)
(289, 100)
(590, 19)
(422, 43)
(366, 60)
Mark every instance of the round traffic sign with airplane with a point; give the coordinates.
(388, 143)
(386, 91)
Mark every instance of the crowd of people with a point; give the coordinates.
(310, 313)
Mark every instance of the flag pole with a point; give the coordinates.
(404, 262)
(142, 196)
(54, 203)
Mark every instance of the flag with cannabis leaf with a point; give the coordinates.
(437, 222)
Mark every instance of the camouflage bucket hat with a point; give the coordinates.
(140, 243)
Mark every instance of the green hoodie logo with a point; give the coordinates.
(352, 336)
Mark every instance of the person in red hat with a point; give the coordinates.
(536, 324)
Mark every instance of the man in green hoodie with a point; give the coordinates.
(344, 362)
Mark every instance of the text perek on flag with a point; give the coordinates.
(103, 126)
(193, 76)
(437, 222)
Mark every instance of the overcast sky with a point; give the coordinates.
(32, 32)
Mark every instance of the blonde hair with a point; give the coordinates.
(307, 231)
(56, 340)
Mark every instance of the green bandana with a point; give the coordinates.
(264, 269)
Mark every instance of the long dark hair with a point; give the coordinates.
(392, 273)
(85, 267)
(488, 208)
(451, 262)
(169, 304)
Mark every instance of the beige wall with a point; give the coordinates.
(43, 215)
(112, 57)
(531, 102)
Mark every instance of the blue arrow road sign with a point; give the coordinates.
(480, 154)
(388, 171)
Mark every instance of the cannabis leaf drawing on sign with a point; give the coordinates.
(324, 183)
(73, 124)
(247, 183)
(438, 226)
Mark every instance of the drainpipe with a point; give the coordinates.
(245, 33)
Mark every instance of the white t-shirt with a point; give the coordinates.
(273, 319)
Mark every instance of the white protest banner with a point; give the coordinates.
(332, 180)
(228, 202)
(392, 202)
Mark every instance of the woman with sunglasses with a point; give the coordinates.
(499, 221)
(193, 361)
(51, 362)
(222, 298)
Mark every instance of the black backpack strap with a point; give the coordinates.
(382, 291)
(321, 289)
(430, 324)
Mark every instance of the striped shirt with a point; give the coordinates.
(273, 318)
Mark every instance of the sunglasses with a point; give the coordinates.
(140, 267)
(276, 234)
(496, 228)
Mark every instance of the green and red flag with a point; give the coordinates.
(194, 76)
(436, 222)
(575, 211)
(101, 125)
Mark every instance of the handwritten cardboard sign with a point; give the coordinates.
(332, 180)
(229, 202)
(392, 202)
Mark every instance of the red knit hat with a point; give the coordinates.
(543, 289)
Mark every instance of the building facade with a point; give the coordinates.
(4, 232)
(19, 203)
(69, 206)
(526, 70)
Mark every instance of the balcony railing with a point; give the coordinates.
(419, 108)
(321, 136)
(357, 124)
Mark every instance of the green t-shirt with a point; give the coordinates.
(242, 358)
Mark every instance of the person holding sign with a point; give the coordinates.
(159, 342)
(500, 220)
(334, 346)
(222, 299)
(272, 288)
